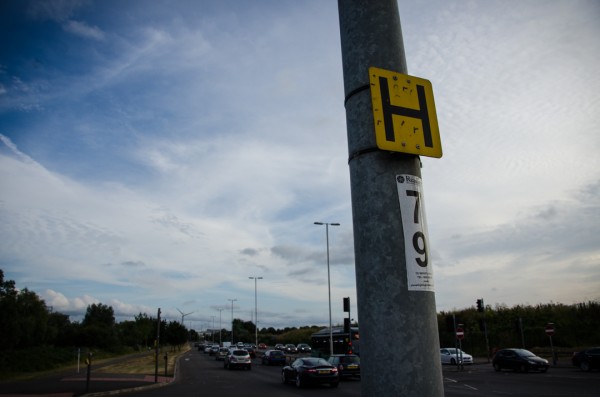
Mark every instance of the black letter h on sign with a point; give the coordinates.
(389, 110)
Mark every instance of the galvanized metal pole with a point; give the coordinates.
(327, 224)
(255, 308)
(232, 300)
(399, 342)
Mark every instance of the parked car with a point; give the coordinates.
(348, 365)
(310, 370)
(279, 346)
(303, 348)
(237, 358)
(221, 354)
(519, 360)
(587, 359)
(273, 357)
(451, 355)
(289, 348)
(262, 346)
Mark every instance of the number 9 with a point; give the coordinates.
(423, 251)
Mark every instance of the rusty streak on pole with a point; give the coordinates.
(399, 342)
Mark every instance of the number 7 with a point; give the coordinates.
(415, 193)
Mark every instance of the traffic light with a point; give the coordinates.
(346, 325)
(480, 307)
(347, 305)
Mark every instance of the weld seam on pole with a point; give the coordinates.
(355, 91)
(361, 152)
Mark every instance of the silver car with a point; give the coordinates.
(222, 353)
(238, 358)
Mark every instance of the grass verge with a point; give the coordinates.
(145, 364)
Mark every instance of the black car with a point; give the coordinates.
(303, 348)
(251, 351)
(587, 359)
(348, 365)
(519, 360)
(310, 370)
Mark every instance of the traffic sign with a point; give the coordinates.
(549, 329)
(419, 269)
(460, 333)
(404, 113)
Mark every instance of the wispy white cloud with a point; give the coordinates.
(82, 29)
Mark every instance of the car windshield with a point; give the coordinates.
(524, 353)
(350, 360)
(240, 353)
(277, 353)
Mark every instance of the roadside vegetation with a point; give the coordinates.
(36, 338)
(576, 326)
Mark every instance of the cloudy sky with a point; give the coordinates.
(158, 154)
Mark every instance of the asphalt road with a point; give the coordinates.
(201, 375)
(482, 380)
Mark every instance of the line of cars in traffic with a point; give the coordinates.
(300, 370)
(348, 365)
(305, 370)
(522, 360)
(236, 356)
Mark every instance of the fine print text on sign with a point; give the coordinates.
(418, 263)
(404, 113)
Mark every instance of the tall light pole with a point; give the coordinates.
(328, 281)
(220, 327)
(212, 331)
(232, 300)
(255, 308)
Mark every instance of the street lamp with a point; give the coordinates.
(212, 331)
(255, 309)
(220, 327)
(328, 282)
(232, 300)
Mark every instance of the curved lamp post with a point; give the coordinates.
(327, 224)
(255, 309)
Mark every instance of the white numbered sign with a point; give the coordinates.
(416, 240)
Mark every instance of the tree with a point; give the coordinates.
(99, 315)
(23, 316)
(175, 334)
(60, 331)
(147, 327)
(98, 327)
(7, 288)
